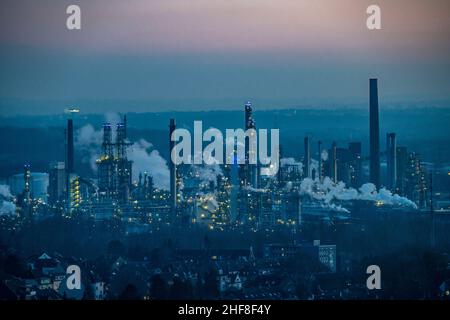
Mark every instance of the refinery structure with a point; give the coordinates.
(325, 183)
(114, 169)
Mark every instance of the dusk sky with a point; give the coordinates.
(159, 55)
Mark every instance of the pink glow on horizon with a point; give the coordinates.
(180, 26)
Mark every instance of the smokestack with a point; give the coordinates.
(26, 181)
(69, 155)
(333, 162)
(279, 165)
(251, 170)
(307, 158)
(70, 152)
(172, 167)
(319, 169)
(125, 127)
(374, 134)
(391, 160)
(122, 164)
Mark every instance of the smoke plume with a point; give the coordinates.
(145, 158)
(324, 155)
(88, 142)
(291, 162)
(7, 206)
(328, 191)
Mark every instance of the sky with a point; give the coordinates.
(160, 55)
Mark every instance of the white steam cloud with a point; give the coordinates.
(291, 162)
(7, 206)
(324, 155)
(328, 191)
(4, 191)
(207, 173)
(88, 141)
(145, 159)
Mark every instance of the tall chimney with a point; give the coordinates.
(70, 152)
(251, 171)
(391, 161)
(307, 159)
(319, 169)
(125, 126)
(374, 134)
(26, 180)
(333, 162)
(172, 167)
